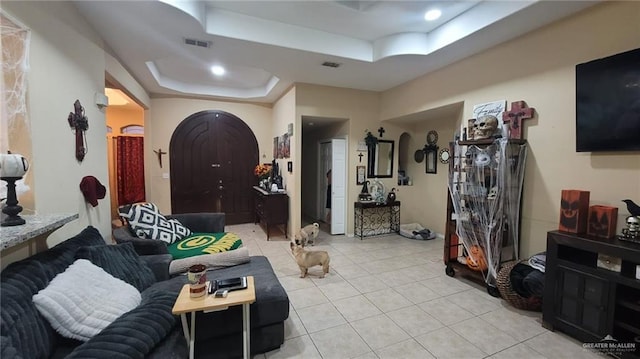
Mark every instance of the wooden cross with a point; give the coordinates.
(360, 155)
(519, 111)
(79, 122)
(159, 152)
(381, 131)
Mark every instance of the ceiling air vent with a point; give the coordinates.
(200, 43)
(331, 64)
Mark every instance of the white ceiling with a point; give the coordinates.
(266, 46)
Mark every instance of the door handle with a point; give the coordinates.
(215, 165)
(220, 187)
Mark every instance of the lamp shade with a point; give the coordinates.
(13, 165)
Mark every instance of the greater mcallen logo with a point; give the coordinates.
(610, 345)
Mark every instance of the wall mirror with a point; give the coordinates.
(380, 159)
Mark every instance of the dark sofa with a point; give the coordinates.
(197, 222)
(150, 330)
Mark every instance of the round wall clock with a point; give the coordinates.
(432, 138)
(418, 156)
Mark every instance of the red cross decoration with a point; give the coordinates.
(79, 122)
(519, 111)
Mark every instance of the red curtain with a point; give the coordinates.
(130, 169)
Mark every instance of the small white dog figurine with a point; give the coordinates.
(308, 233)
(308, 259)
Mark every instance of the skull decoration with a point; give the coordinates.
(487, 126)
(493, 193)
(633, 227)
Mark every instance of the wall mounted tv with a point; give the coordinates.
(608, 103)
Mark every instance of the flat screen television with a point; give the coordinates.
(608, 103)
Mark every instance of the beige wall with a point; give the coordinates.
(284, 113)
(361, 108)
(66, 63)
(425, 201)
(540, 69)
(62, 42)
(121, 116)
(164, 116)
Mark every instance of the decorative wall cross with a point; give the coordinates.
(79, 122)
(381, 131)
(519, 111)
(360, 155)
(159, 153)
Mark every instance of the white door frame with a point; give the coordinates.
(338, 186)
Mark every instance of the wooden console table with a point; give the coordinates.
(272, 208)
(372, 218)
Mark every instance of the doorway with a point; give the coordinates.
(332, 188)
(212, 156)
(125, 149)
(319, 134)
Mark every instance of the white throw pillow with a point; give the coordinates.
(84, 299)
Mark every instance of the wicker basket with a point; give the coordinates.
(503, 282)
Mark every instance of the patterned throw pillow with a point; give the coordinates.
(204, 243)
(145, 221)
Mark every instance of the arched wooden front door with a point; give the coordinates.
(213, 154)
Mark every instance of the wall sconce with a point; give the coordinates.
(431, 157)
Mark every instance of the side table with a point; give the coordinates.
(371, 218)
(207, 303)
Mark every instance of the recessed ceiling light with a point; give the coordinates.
(432, 14)
(218, 70)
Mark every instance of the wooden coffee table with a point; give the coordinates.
(207, 303)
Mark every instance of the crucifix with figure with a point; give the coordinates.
(513, 117)
(159, 153)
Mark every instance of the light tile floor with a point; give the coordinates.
(388, 297)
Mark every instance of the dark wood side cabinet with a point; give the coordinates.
(587, 301)
(272, 209)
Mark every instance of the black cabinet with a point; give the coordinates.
(271, 209)
(582, 300)
(585, 299)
